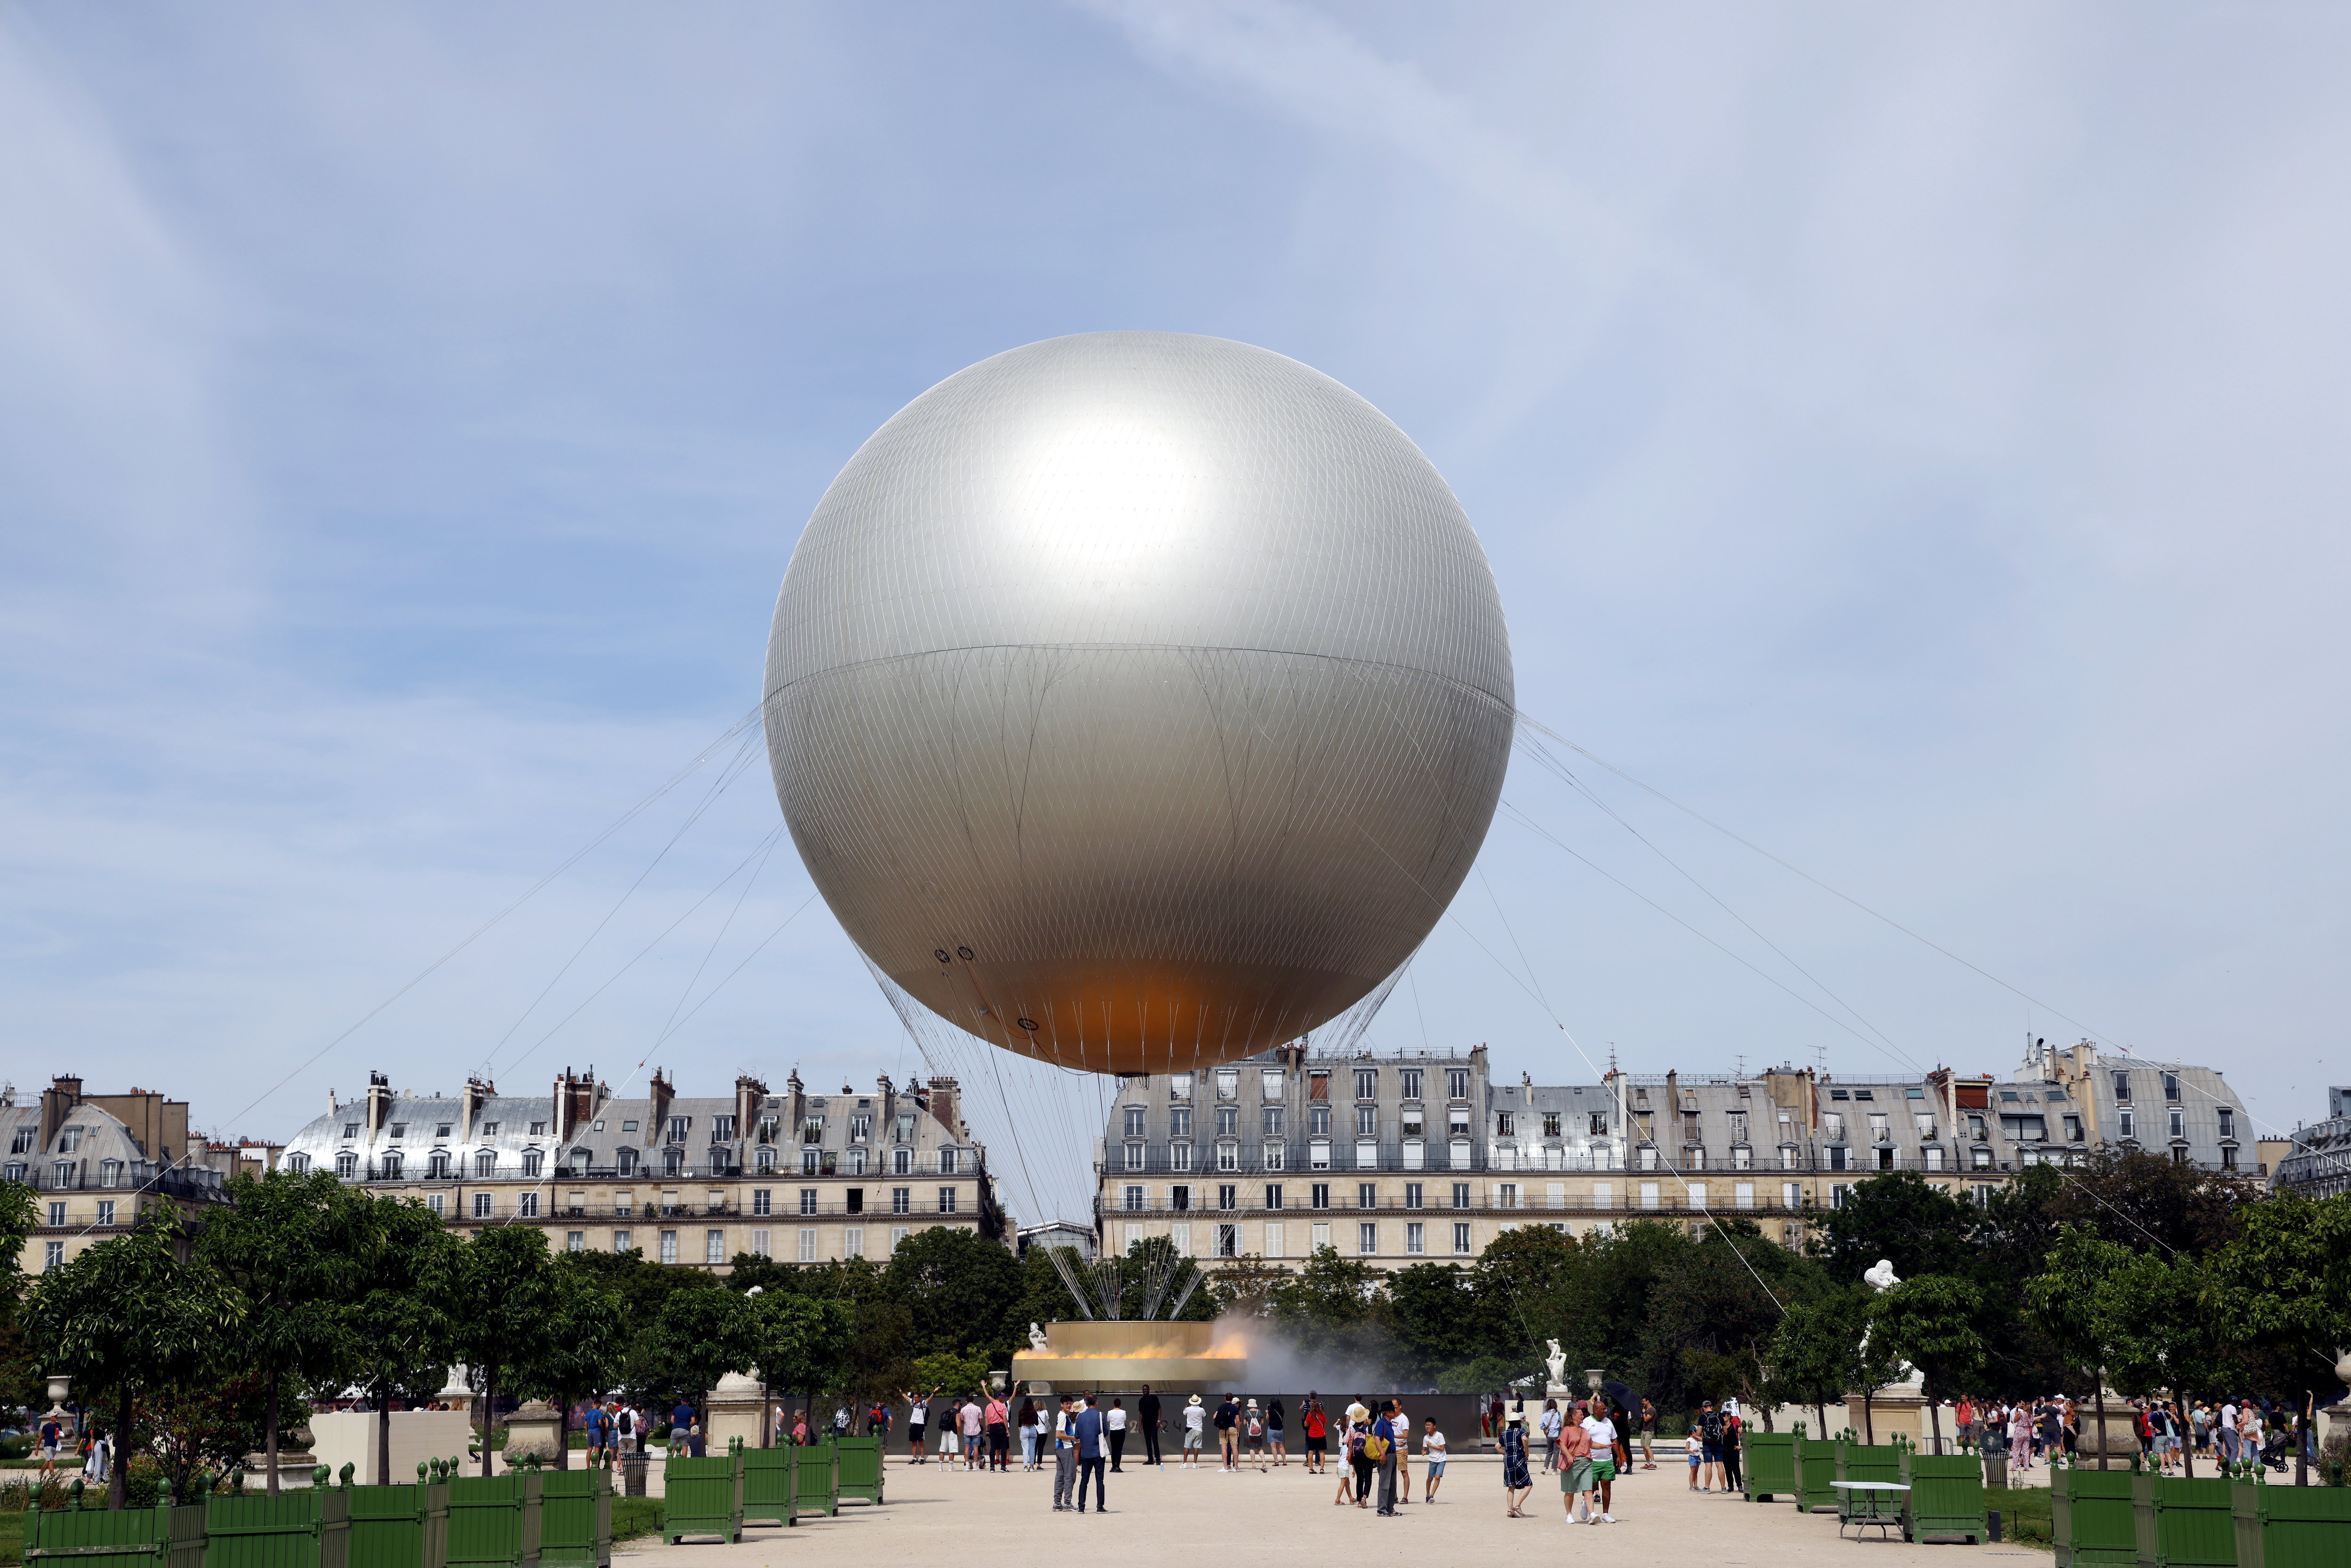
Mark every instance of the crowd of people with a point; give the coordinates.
(2170, 1432)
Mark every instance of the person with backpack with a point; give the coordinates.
(1361, 1465)
(1253, 1428)
(1709, 1434)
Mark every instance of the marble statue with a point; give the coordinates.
(1557, 1361)
(1036, 1339)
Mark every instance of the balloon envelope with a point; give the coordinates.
(1137, 700)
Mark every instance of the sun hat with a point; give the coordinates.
(1252, 1404)
(1196, 1399)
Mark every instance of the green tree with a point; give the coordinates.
(128, 1316)
(398, 1327)
(803, 1343)
(1929, 1320)
(581, 1354)
(1812, 1352)
(288, 1243)
(20, 1213)
(2062, 1299)
(501, 1307)
(701, 1336)
(1333, 1306)
(1433, 1310)
(960, 1290)
(2286, 1281)
(1899, 1216)
(2138, 1200)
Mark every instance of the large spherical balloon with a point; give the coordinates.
(1138, 700)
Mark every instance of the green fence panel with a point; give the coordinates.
(860, 1468)
(816, 1480)
(575, 1519)
(163, 1536)
(2284, 1526)
(403, 1526)
(2092, 1520)
(767, 1486)
(2183, 1524)
(1767, 1464)
(493, 1520)
(703, 1496)
(1816, 1468)
(310, 1529)
(1860, 1461)
(1946, 1496)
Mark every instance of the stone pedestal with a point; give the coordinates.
(534, 1428)
(2334, 1422)
(342, 1437)
(2120, 1440)
(1898, 1408)
(295, 1463)
(733, 1409)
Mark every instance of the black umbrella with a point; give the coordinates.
(1622, 1396)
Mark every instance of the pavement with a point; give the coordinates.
(977, 1520)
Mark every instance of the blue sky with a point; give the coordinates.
(1915, 439)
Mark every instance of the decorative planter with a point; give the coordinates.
(1767, 1464)
(163, 1536)
(2092, 1518)
(1946, 1496)
(816, 1480)
(2279, 1527)
(1860, 1461)
(575, 1517)
(2184, 1523)
(861, 1470)
(767, 1486)
(305, 1529)
(493, 1520)
(1816, 1468)
(704, 1496)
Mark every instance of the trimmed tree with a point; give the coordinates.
(1930, 1323)
(502, 1304)
(2063, 1300)
(581, 1353)
(399, 1328)
(701, 1336)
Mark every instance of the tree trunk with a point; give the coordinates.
(1822, 1412)
(489, 1412)
(2102, 1419)
(1868, 1417)
(562, 1431)
(269, 1435)
(1935, 1422)
(382, 1442)
(117, 1485)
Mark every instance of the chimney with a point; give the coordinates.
(943, 1105)
(379, 1104)
(799, 1104)
(663, 1092)
(575, 1102)
(477, 1092)
(57, 1101)
(748, 1095)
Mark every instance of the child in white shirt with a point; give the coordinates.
(1432, 1451)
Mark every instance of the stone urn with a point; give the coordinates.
(735, 1408)
(535, 1427)
(295, 1463)
(2337, 1415)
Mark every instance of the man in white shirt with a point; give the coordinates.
(1196, 1423)
(1603, 1457)
(1115, 1428)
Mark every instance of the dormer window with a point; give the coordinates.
(678, 1126)
(399, 1129)
(441, 1129)
(351, 1129)
(23, 1143)
(1179, 1086)
(1228, 1082)
(628, 1127)
(722, 1129)
(2171, 1087)
(485, 1163)
(532, 1160)
(537, 1129)
(489, 1129)
(812, 1130)
(69, 1141)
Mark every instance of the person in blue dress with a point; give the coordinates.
(1517, 1483)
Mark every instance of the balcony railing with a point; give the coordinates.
(1664, 1203)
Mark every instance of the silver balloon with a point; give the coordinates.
(1138, 700)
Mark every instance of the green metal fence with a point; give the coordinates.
(1860, 1461)
(816, 1480)
(163, 1536)
(861, 1470)
(1767, 1464)
(2282, 1527)
(767, 1486)
(2183, 1524)
(1946, 1495)
(2093, 1522)
(493, 1520)
(401, 1526)
(309, 1528)
(1815, 1469)
(575, 1519)
(705, 1496)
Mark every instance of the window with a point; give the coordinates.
(1833, 1127)
(1367, 1154)
(1273, 1156)
(902, 1162)
(1506, 1195)
(1415, 1153)
(1367, 1195)
(391, 1165)
(1838, 1196)
(902, 1200)
(347, 1166)
(1179, 1086)
(1273, 1195)
(853, 1199)
(947, 1200)
(526, 1204)
(575, 1241)
(1649, 1194)
(351, 1129)
(1134, 1157)
(766, 1161)
(1228, 1195)
(669, 1246)
(1270, 1082)
(57, 1214)
(1598, 1125)
(1179, 1121)
(1228, 1082)
(905, 1127)
(762, 1200)
(1457, 1121)
(1229, 1120)
(1551, 1125)
(1934, 1157)
(1319, 1236)
(1984, 1159)
(577, 1204)
(485, 1163)
(1321, 1192)
(625, 1163)
(899, 1233)
(857, 1160)
(1460, 1154)
(1460, 1195)
(2228, 1156)
(1415, 1238)
(436, 1165)
(624, 1241)
(1457, 1083)
(1367, 1239)
(1269, 1121)
(622, 1202)
(713, 1247)
(53, 1255)
(1272, 1239)
(2074, 1129)
(435, 1202)
(1227, 1242)
(1409, 1083)
(480, 1205)
(399, 1129)
(2122, 1086)
(1180, 1237)
(1461, 1238)
(679, 1124)
(759, 1245)
(2178, 1123)
(1836, 1157)
(1179, 1156)
(1791, 1195)
(1130, 1198)
(1504, 1124)
(1412, 1191)
(2228, 1121)
(860, 1128)
(1739, 1126)
(532, 1162)
(948, 1164)
(672, 1162)
(1317, 1086)
(807, 1245)
(23, 1142)
(1367, 1083)
(811, 1161)
(1134, 1114)
(1179, 1198)
(1878, 1132)
(2171, 1087)
(2127, 1124)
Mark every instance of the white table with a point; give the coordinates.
(1872, 1493)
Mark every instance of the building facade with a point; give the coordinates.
(2317, 1162)
(98, 1161)
(796, 1177)
(1411, 1157)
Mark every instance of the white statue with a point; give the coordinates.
(1557, 1361)
(1882, 1277)
(1036, 1339)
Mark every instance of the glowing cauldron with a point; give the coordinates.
(1120, 1357)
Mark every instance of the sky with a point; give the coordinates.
(1913, 439)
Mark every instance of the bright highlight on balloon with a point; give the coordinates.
(1138, 701)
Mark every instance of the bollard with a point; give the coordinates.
(1993, 1516)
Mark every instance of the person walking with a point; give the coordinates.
(998, 1421)
(1065, 1457)
(1229, 1417)
(1601, 1431)
(1273, 1434)
(1550, 1422)
(1381, 1446)
(1361, 1462)
(1115, 1428)
(1648, 1436)
(1317, 1427)
(53, 1433)
(1516, 1482)
(1432, 1459)
(1147, 1412)
(1575, 1474)
(1090, 1456)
